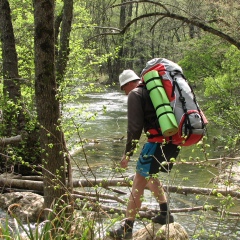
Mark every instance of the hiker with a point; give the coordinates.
(142, 116)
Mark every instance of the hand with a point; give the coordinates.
(124, 161)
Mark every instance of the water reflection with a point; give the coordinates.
(105, 145)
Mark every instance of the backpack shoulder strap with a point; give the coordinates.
(153, 125)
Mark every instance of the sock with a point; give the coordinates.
(163, 208)
(128, 225)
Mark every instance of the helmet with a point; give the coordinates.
(127, 76)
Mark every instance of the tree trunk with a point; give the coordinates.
(115, 66)
(62, 59)
(64, 50)
(13, 116)
(48, 109)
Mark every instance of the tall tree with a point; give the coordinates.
(62, 55)
(63, 45)
(116, 65)
(48, 109)
(12, 112)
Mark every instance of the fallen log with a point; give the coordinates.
(98, 195)
(21, 184)
(104, 183)
(146, 212)
(203, 191)
(211, 162)
(10, 140)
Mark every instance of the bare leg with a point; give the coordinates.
(155, 186)
(134, 204)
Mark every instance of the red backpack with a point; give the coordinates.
(180, 117)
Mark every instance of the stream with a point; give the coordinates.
(104, 136)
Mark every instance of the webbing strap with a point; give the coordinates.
(157, 86)
(164, 113)
(162, 105)
(151, 79)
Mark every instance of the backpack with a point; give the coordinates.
(180, 118)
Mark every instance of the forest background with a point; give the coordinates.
(59, 50)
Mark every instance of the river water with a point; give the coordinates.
(104, 144)
(104, 140)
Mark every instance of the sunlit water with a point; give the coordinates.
(106, 139)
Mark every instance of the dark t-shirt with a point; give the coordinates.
(141, 116)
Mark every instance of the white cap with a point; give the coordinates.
(127, 76)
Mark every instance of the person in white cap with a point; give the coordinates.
(142, 116)
(128, 80)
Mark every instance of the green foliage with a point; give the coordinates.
(11, 111)
(214, 70)
(59, 225)
(6, 230)
(28, 149)
(222, 91)
(22, 19)
(81, 77)
(202, 59)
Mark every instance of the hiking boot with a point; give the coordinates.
(163, 219)
(120, 233)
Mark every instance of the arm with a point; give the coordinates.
(135, 120)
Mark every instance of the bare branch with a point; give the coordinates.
(142, 1)
(194, 22)
(191, 21)
(112, 29)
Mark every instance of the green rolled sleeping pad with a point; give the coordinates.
(165, 115)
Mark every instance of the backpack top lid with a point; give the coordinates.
(167, 65)
(127, 76)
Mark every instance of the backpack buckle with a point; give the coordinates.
(182, 99)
